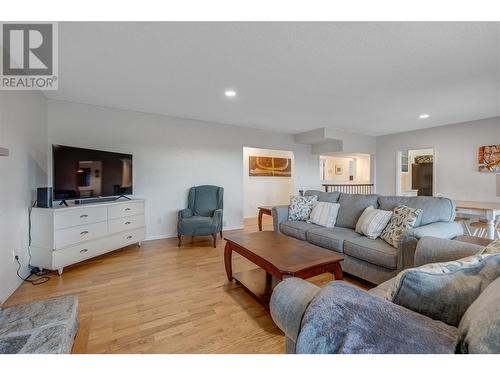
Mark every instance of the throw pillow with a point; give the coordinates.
(372, 222)
(480, 326)
(300, 207)
(324, 214)
(444, 291)
(402, 219)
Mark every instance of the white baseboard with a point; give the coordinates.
(174, 235)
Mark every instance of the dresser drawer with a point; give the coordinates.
(70, 236)
(77, 253)
(80, 216)
(125, 223)
(122, 239)
(125, 209)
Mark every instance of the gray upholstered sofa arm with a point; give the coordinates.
(433, 250)
(289, 301)
(447, 230)
(409, 241)
(280, 214)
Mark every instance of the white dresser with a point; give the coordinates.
(62, 236)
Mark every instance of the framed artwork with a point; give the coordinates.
(269, 166)
(339, 169)
(489, 159)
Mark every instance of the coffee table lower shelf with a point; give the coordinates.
(258, 283)
(278, 255)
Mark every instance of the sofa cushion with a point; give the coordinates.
(205, 199)
(330, 197)
(447, 230)
(297, 229)
(198, 226)
(351, 208)
(300, 207)
(480, 326)
(331, 238)
(345, 319)
(444, 291)
(433, 208)
(376, 251)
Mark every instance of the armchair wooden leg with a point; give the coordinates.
(221, 234)
(215, 239)
(180, 240)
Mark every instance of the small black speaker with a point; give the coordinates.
(44, 197)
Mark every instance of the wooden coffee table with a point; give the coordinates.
(278, 257)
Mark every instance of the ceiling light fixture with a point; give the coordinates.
(424, 115)
(230, 93)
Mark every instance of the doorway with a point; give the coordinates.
(416, 172)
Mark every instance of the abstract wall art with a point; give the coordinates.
(270, 166)
(489, 159)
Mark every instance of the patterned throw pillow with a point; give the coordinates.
(300, 207)
(372, 222)
(492, 248)
(402, 219)
(324, 214)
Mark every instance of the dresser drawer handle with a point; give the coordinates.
(84, 215)
(84, 232)
(127, 209)
(84, 251)
(129, 237)
(128, 222)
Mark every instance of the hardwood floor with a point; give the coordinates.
(163, 299)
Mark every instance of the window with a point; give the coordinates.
(404, 161)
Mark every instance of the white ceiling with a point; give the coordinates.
(372, 78)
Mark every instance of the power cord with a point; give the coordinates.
(41, 275)
(42, 278)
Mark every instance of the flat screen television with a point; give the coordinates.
(80, 173)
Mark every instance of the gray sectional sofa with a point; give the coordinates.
(342, 318)
(372, 260)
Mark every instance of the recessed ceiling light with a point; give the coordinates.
(424, 115)
(230, 93)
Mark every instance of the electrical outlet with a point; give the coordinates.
(15, 257)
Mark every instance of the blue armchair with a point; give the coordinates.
(203, 217)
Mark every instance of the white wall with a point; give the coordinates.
(455, 155)
(172, 154)
(23, 131)
(265, 191)
(363, 169)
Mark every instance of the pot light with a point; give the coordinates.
(230, 93)
(424, 116)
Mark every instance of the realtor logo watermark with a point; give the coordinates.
(29, 58)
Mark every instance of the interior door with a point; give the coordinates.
(421, 178)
